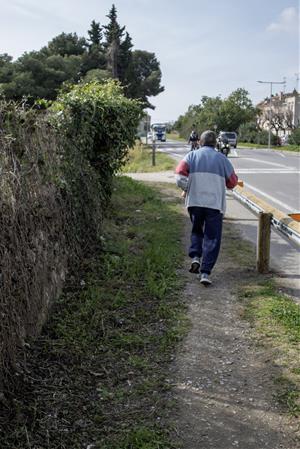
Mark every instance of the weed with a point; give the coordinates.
(277, 318)
(140, 160)
(275, 312)
(99, 368)
(288, 395)
(142, 438)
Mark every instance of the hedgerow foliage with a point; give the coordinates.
(100, 122)
(295, 136)
(96, 125)
(56, 172)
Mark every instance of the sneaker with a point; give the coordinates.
(204, 279)
(195, 265)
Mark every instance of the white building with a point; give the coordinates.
(283, 113)
(144, 126)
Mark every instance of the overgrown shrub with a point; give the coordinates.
(294, 138)
(96, 125)
(99, 120)
(248, 132)
(56, 172)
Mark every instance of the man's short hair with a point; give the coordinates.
(208, 139)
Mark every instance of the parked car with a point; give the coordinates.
(229, 136)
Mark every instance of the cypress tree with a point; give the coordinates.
(113, 31)
(125, 58)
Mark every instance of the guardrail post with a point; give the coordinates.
(263, 242)
(153, 153)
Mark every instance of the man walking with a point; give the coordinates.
(204, 175)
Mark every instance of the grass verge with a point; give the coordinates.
(175, 136)
(294, 148)
(97, 376)
(140, 160)
(276, 319)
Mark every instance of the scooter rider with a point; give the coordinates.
(193, 139)
(224, 146)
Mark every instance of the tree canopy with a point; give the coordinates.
(218, 114)
(95, 34)
(67, 45)
(143, 76)
(107, 52)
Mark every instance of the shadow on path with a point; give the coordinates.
(223, 382)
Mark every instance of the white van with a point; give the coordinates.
(230, 136)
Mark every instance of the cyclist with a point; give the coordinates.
(193, 140)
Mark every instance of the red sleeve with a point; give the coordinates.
(232, 181)
(182, 168)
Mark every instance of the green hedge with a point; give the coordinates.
(100, 121)
(57, 166)
(294, 138)
(96, 125)
(248, 132)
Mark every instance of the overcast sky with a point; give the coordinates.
(205, 47)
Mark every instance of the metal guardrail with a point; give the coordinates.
(286, 230)
(276, 222)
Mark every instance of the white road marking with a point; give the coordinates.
(266, 171)
(266, 195)
(266, 162)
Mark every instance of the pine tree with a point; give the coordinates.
(95, 57)
(95, 33)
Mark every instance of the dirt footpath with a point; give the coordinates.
(223, 378)
(224, 383)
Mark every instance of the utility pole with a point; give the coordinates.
(270, 104)
(147, 126)
(284, 85)
(297, 81)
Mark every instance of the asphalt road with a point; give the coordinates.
(273, 176)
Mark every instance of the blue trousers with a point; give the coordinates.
(205, 236)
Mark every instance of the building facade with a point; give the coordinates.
(144, 126)
(282, 113)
